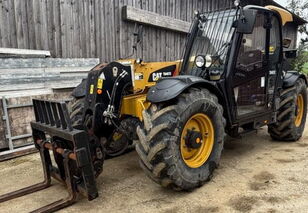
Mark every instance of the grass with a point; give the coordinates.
(305, 68)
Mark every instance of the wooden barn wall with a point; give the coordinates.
(290, 31)
(94, 28)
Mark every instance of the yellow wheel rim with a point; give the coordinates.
(201, 123)
(116, 136)
(299, 110)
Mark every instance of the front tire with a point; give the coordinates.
(173, 147)
(292, 113)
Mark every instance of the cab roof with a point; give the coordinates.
(285, 15)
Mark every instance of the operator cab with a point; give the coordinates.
(241, 51)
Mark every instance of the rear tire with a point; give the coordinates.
(160, 144)
(76, 107)
(292, 115)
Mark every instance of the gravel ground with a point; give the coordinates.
(256, 174)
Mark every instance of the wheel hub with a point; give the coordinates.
(193, 139)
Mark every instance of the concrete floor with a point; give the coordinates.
(256, 174)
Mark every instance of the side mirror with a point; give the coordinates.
(286, 42)
(246, 21)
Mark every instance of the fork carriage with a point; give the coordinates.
(71, 152)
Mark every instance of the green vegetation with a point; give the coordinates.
(301, 62)
(300, 8)
(305, 68)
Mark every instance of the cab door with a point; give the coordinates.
(251, 74)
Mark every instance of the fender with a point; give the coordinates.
(80, 90)
(169, 88)
(291, 77)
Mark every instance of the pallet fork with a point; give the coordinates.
(52, 130)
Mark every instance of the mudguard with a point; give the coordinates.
(291, 77)
(169, 88)
(80, 90)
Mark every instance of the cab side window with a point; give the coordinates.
(252, 50)
(275, 43)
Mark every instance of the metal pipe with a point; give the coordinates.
(61, 151)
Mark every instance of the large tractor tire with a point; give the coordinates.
(76, 106)
(292, 113)
(180, 144)
(115, 145)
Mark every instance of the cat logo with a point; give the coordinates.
(162, 73)
(156, 76)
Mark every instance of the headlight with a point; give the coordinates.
(208, 61)
(200, 61)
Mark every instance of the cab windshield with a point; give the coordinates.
(212, 39)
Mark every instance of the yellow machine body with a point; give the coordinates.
(145, 75)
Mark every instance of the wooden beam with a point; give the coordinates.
(7, 155)
(130, 13)
(24, 52)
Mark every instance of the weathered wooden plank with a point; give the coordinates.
(100, 38)
(50, 25)
(93, 30)
(97, 21)
(77, 50)
(84, 27)
(64, 32)
(5, 88)
(4, 31)
(116, 31)
(7, 155)
(43, 25)
(24, 72)
(1, 22)
(48, 83)
(24, 52)
(36, 24)
(25, 92)
(12, 24)
(123, 31)
(31, 30)
(11, 63)
(147, 31)
(154, 19)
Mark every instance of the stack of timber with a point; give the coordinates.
(24, 77)
(43, 74)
